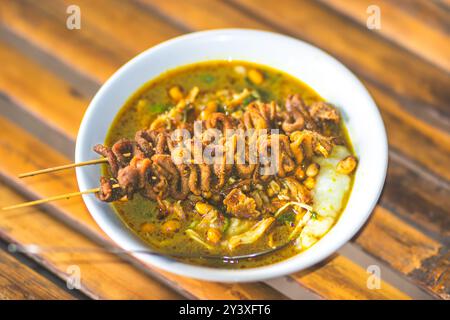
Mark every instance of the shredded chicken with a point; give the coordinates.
(251, 235)
(197, 238)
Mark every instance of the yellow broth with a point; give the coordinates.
(134, 116)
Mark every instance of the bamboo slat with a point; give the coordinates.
(409, 28)
(21, 88)
(339, 281)
(411, 253)
(17, 281)
(89, 50)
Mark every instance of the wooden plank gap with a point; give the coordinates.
(354, 253)
(42, 271)
(84, 85)
(34, 124)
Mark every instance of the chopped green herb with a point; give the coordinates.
(144, 106)
(288, 217)
(265, 95)
(248, 99)
(226, 224)
(193, 224)
(185, 115)
(313, 215)
(221, 108)
(158, 108)
(208, 78)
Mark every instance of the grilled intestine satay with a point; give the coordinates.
(146, 164)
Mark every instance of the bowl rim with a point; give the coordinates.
(128, 241)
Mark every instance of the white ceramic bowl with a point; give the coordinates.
(332, 80)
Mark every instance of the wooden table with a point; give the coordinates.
(48, 74)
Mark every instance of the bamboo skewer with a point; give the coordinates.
(54, 198)
(62, 196)
(63, 167)
(66, 166)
